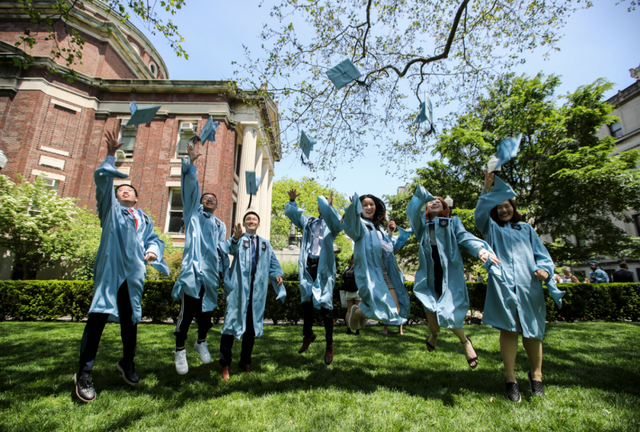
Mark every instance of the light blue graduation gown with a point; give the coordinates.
(451, 236)
(377, 302)
(321, 290)
(202, 259)
(237, 284)
(599, 276)
(515, 299)
(122, 248)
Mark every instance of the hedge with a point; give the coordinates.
(29, 300)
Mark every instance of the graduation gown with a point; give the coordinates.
(377, 302)
(599, 276)
(202, 259)
(122, 248)
(515, 299)
(320, 290)
(451, 236)
(237, 284)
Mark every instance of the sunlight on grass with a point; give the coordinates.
(376, 383)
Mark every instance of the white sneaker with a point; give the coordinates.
(181, 362)
(203, 351)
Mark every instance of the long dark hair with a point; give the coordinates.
(381, 210)
(515, 219)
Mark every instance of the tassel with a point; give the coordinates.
(250, 198)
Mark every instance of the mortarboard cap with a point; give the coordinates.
(141, 115)
(306, 144)
(426, 111)
(208, 132)
(594, 262)
(507, 150)
(343, 73)
(252, 183)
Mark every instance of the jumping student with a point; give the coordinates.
(246, 283)
(126, 245)
(316, 267)
(203, 262)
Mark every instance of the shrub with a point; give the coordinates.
(35, 299)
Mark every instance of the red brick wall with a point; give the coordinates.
(98, 58)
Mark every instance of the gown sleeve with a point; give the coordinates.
(330, 216)
(414, 210)
(274, 271)
(105, 195)
(294, 213)
(190, 190)
(353, 225)
(402, 237)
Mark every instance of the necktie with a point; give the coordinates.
(134, 218)
(254, 254)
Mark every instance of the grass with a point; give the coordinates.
(376, 383)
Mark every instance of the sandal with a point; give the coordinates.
(430, 347)
(475, 359)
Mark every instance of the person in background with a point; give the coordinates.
(623, 275)
(567, 277)
(127, 243)
(351, 289)
(597, 274)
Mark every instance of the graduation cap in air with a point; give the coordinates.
(507, 150)
(425, 113)
(208, 132)
(141, 115)
(253, 183)
(343, 73)
(306, 145)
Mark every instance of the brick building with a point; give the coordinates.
(52, 128)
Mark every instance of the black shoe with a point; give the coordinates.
(537, 388)
(358, 332)
(513, 393)
(349, 330)
(128, 373)
(84, 387)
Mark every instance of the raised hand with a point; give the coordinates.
(293, 195)
(330, 200)
(488, 180)
(112, 143)
(193, 153)
(391, 227)
(238, 233)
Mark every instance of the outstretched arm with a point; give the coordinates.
(105, 195)
(414, 210)
(353, 225)
(329, 214)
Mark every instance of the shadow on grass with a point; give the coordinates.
(39, 359)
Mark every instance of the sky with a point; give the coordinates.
(600, 42)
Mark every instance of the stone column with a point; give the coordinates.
(265, 209)
(247, 163)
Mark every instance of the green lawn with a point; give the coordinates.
(376, 383)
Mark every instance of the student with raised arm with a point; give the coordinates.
(245, 286)
(515, 299)
(203, 262)
(316, 267)
(440, 284)
(380, 282)
(127, 243)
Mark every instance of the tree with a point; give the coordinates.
(54, 15)
(34, 223)
(568, 181)
(309, 190)
(450, 49)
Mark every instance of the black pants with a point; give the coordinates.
(190, 308)
(438, 274)
(248, 339)
(307, 309)
(95, 326)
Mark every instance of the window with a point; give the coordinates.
(128, 136)
(238, 158)
(636, 222)
(187, 131)
(51, 183)
(154, 69)
(174, 220)
(616, 130)
(234, 213)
